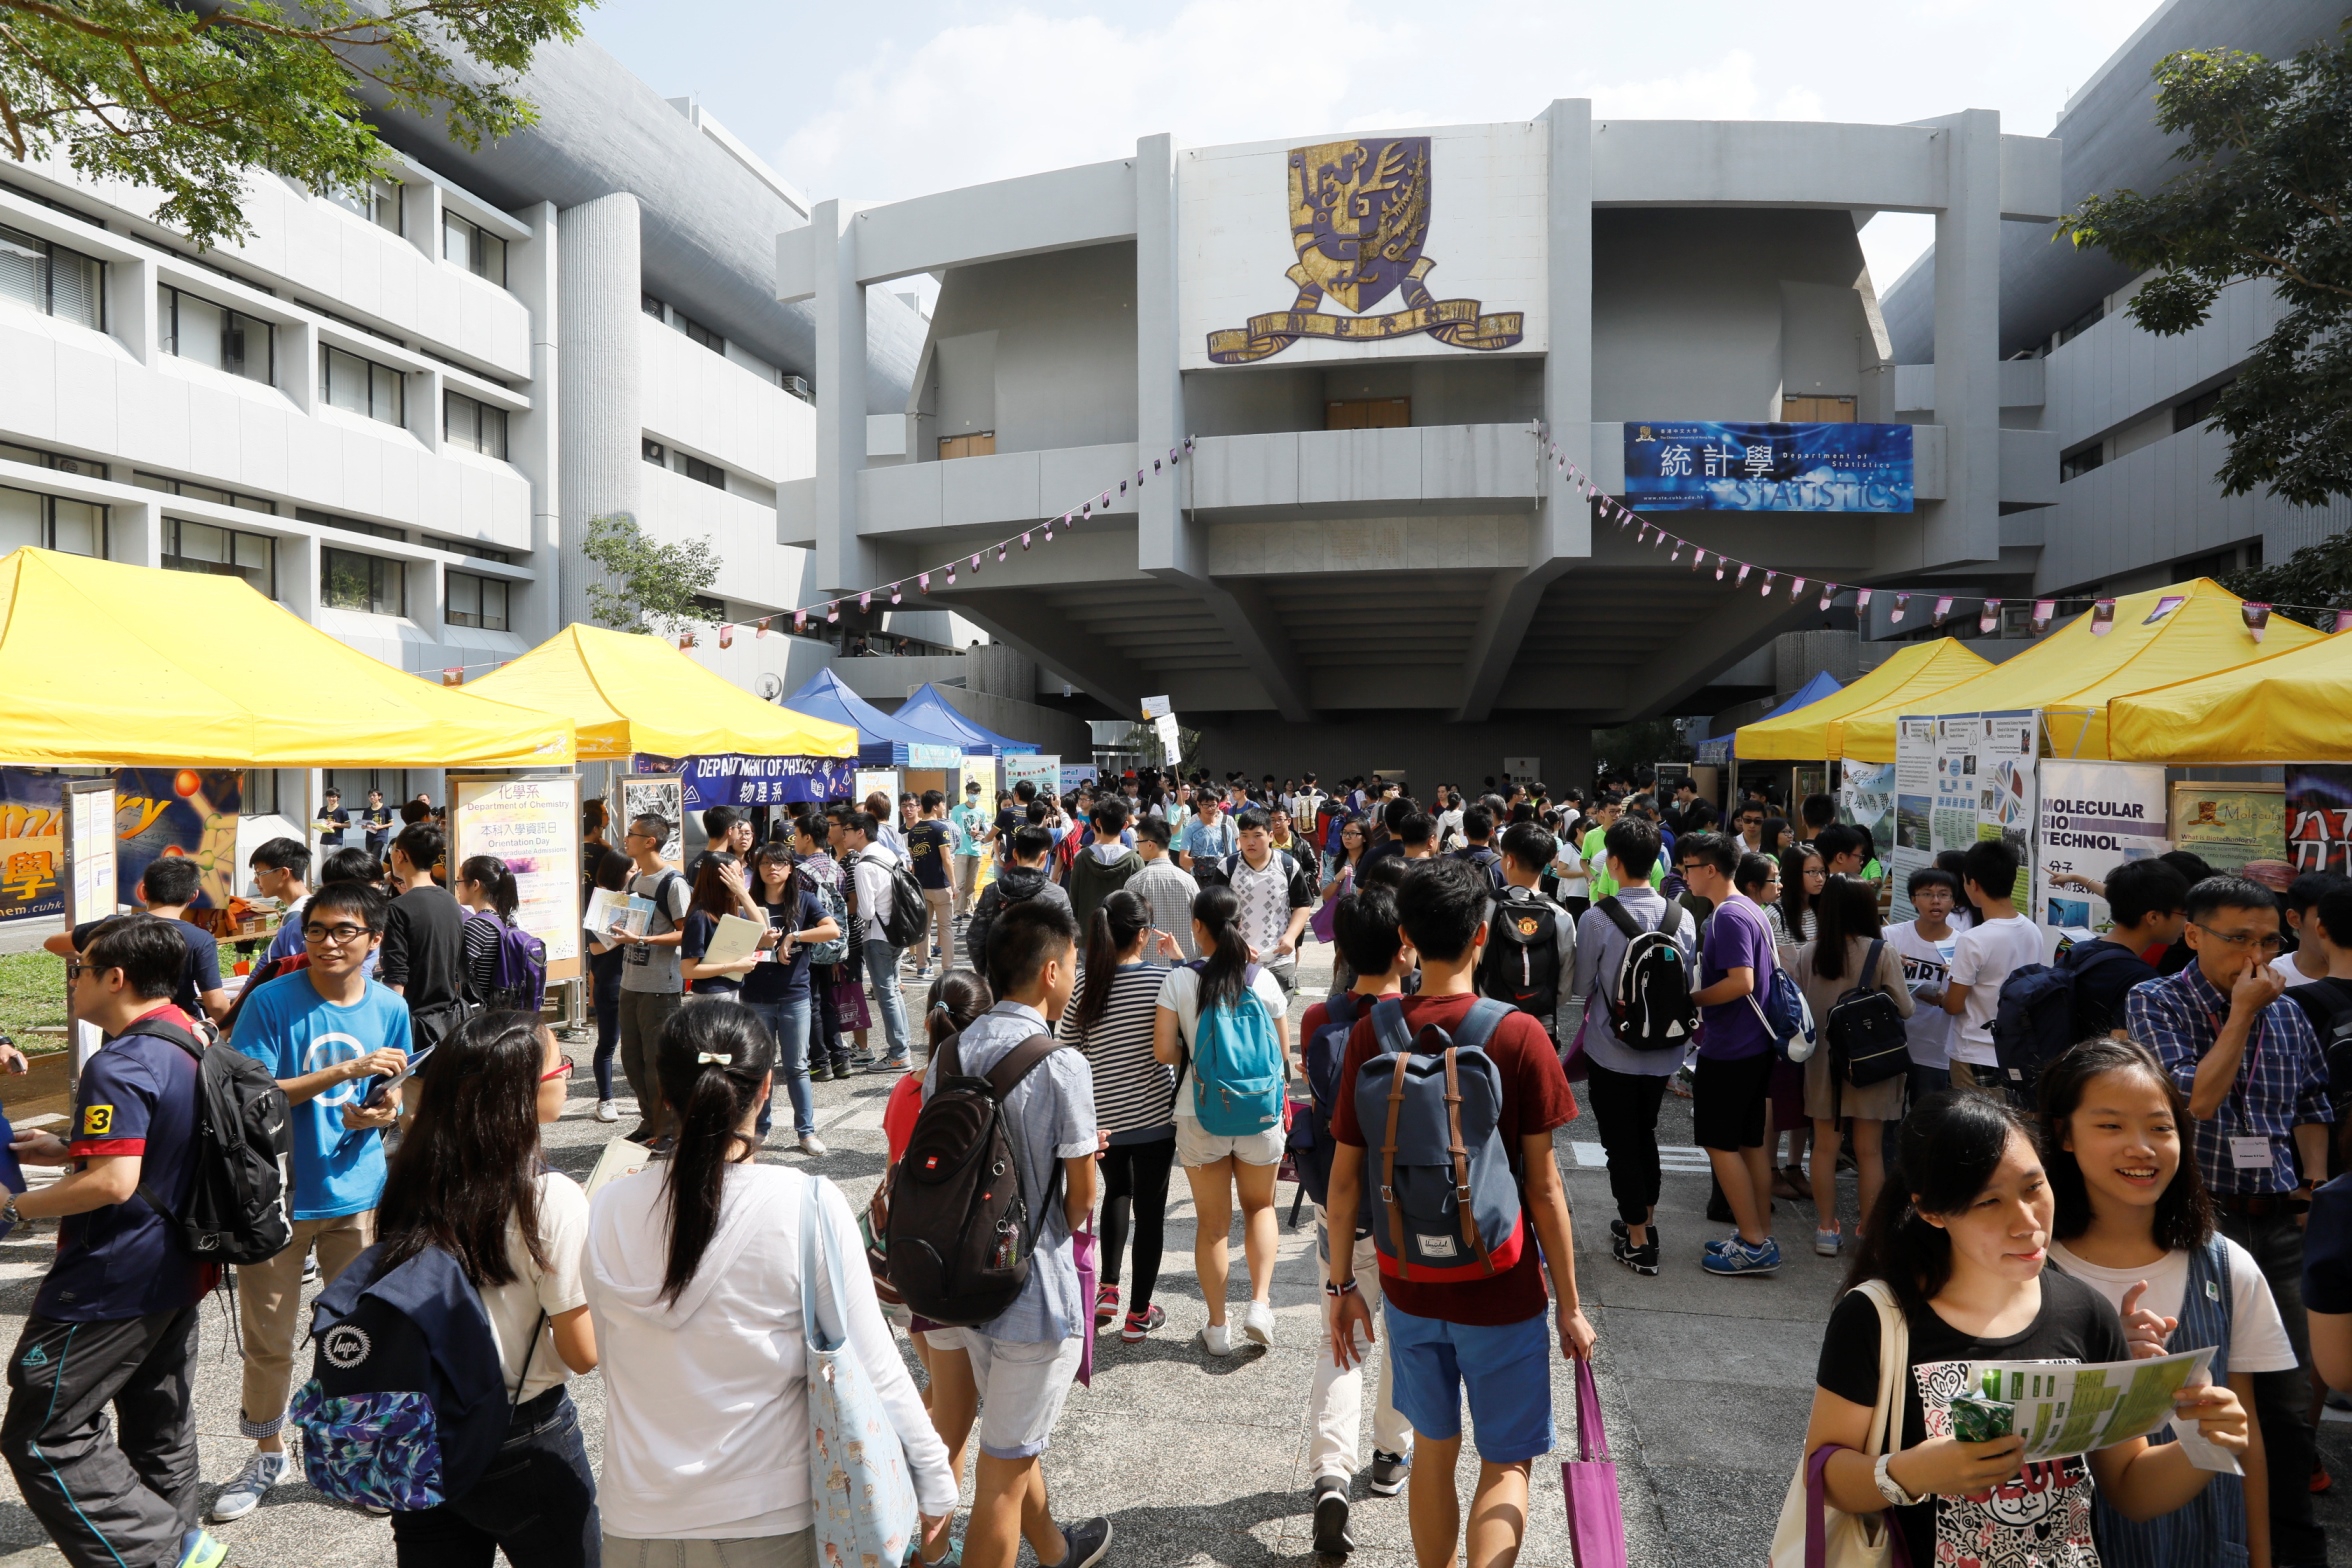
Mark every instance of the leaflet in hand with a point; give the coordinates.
(610, 908)
(2066, 1408)
(735, 939)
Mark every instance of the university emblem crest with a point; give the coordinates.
(1359, 215)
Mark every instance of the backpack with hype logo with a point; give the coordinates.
(959, 1234)
(1522, 962)
(1236, 1062)
(1441, 1199)
(828, 894)
(1310, 1135)
(1868, 1042)
(2037, 1018)
(236, 1208)
(1650, 1007)
(518, 977)
(909, 915)
(407, 1402)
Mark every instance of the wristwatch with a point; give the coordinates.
(8, 1215)
(1890, 1488)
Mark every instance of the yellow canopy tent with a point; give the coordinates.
(2072, 673)
(628, 693)
(107, 665)
(1917, 672)
(2293, 706)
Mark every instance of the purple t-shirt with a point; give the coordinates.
(1737, 938)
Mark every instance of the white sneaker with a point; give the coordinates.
(241, 1496)
(1217, 1339)
(812, 1145)
(1257, 1324)
(606, 1111)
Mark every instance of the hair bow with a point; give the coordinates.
(705, 1058)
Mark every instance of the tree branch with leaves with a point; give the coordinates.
(187, 101)
(648, 585)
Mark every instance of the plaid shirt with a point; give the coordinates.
(2282, 1082)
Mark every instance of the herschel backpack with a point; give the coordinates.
(960, 1231)
(1440, 1196)
(1522, 962)
(1868, 1042)
(518, 979)
(909, 915)
(407, 1403)
(1650, 1007)
(1236, 1062)
(236, 1208)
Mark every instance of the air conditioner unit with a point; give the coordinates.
(798, 386)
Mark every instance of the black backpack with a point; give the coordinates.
(960, 1232)
(236, 1210)
(1522, 963)
(909, 915)
(1650, 1006)
(2037, 1019)
(1868, 1042)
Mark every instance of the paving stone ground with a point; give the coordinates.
(1199, 1461)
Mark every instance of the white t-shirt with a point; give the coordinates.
(1985, 956)
(1568, 866)
(2285, 965)
(1180, 994)
(515, 1308)
(2258, 1340)
(1926, 967)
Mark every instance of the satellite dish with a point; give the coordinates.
(771, 689)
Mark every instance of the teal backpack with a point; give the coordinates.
(1237, 1088)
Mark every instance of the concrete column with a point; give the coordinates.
(1564, 523)
(1159, 386)
(298, 364)
(531, 438)
(131, 306)
(598, 381)
(1967, 525)
(996, 670)
(845, 562)
(134, 533)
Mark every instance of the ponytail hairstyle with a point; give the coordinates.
(2184, 1213)
(1118, 920)
(957, 997)
(1952, 1144)
(489, 873)
(471, 1159)
(713, 1064)
(1224, 972)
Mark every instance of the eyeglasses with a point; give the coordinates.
(335, 936)
(563, 1069)
(2270, 942)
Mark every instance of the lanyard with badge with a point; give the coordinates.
(2248, 1151)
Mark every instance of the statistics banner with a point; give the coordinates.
(1702, 466)
(2094, 817)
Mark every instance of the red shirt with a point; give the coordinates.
(899, 1113)
(1536, 1100)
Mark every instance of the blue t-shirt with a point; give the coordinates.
(199, 975)
(786, 980)
(700, 927)
(137, 1096)
(1737, 938)
(1203, 842)
(293, 1031)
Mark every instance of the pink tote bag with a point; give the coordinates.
(1596, 1526)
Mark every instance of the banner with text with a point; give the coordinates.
(729, 779)
(1914, 813)
(2094, 816)
(1041, 770)
(2319, 818)
(178, 811)
(1705, 466)
(532, 824)
(2235, 827)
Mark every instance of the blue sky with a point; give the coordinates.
(874, 103)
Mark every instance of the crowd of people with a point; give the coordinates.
(1109, 982)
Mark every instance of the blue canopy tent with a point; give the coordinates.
(895, 740)
(929, 709)
(1717, 750)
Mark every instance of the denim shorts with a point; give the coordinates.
(1506, 1369)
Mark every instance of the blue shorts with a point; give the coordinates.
(1507, 1370)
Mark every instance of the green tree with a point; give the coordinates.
(648, 586)
(2266, 194)
(187, 99)
(2316, 581)
(1642, 744)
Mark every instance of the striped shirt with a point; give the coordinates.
(1134, 1096)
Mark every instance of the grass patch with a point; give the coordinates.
(32, 995)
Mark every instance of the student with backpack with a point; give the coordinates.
(1852, 978)
(815, 872)
(1224, 1022)
(1477, 829)
(471, 1183)
(2002, 942)
(1462, 1284)
(1110, 1021)
(1633, 976)
(114, 1320)
(1925, 944)
(703, 1274)
(2134, 1223)
(1737, 1049)
(323, 1032)
(1023, 878)
(1530, 941)
(2148, 900)
(777, 989)
(1365, 929)
(652, 985)
(1276, 895)
(891, 917)
(424, 936)
(505, 965)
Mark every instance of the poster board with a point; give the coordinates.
(2235, 827)
(91, 849)
(661, 795)
(871, 779)
(32, 844)
(2093, 817)
(530, 821)
(1914, 810)
(1980, 770)
(1043, 770)
(193, 812)
(1866, 798)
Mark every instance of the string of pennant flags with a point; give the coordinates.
(971, 562)
(1646, 532)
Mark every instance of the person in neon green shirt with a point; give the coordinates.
(1596, 855)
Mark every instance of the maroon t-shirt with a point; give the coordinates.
(1536, 1099)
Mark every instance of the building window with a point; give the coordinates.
(654, 452)
(476, 426)
(1361, 413)
(349, 525)
(696, 332)
(197, 492)
(52, 280)
(2197, 410)
(473, 247)
(477, 601)
(378, 201)
(2082, 323)
(981, 445)
(203, 333)
(351, 581)
(13, 453)
(703, 473)
(1817, 410)
(479, 552)
(221, 552)
(2076, 464)
(52, 522)
(362, 386)
(710, 609)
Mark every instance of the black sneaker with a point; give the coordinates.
(1331, 1517)
(821, 1073)
(1090, 1542)
(1386, 1478)
(1642, 1259)
(1618, 1230)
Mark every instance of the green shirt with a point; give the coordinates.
(971, 821)
(1596, 862)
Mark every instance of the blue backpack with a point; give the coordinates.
(1442, 1202)
(1236, 1064)
(518, 980)
(2038, 1018)
(407, 1402)
(1310, 1135)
